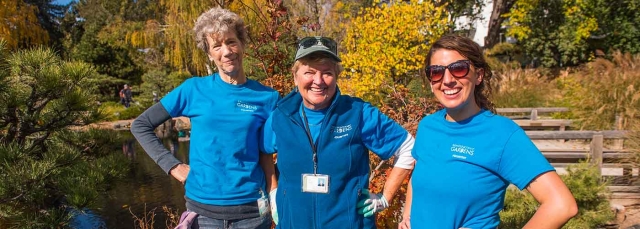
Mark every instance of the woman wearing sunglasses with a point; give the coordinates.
(323, 140)
(467, 156)
(224, 182)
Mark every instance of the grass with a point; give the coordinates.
(115, 111)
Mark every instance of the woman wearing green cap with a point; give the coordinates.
(323, 140)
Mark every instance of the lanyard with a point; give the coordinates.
(313, 146)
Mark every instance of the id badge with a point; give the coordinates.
(263, 206)
(315, 183)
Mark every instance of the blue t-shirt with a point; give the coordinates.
(464, 168)
(314, 120)
(225, 124)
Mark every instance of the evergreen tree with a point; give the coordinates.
(45, 167)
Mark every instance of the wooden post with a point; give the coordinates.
(596, 151)
(534, 114)
(618, 143)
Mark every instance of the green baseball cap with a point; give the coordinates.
(310, 45)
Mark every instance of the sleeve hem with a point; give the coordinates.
(525, 185)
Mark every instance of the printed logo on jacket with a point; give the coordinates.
(341, 131)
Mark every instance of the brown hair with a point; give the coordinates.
(217, 21)
(472, 51)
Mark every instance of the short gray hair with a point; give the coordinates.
(319, 58)
(218, 21)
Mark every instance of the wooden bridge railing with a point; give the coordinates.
(532, 111)
(528, 118)
(597, 153)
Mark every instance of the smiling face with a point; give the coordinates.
(316, 82)
(456, 94)
(226, 51)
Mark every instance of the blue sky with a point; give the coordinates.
(62, 2)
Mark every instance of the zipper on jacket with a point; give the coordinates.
(315, 144)
(322, 130)
(314, 207)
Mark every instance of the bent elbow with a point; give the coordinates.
(138, 127)
(568, 209)
(561, 210)
(572, 210)
(135, 127)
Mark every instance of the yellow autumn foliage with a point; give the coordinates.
(575, 13)
(518, 18)
(386, 44)
(19, 26)
(174, 35)
(577, 17)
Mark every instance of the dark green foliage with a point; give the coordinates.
(45, 167)
(161, 83)
(568, 33)
(618, 22)
(590, 193)
(44, 94)
(73, 172)
(90, 40)
(551, 41)
(519, 207)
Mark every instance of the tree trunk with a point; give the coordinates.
(495, 22)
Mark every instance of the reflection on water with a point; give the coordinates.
(128, 150)
(86, 219)
(146, 187)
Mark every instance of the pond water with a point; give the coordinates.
(146, 189)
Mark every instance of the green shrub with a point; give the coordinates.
(40, 184)
(114, 111)
(590, 193)
(132, 112)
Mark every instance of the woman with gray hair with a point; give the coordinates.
(323, 139)
(225, 185)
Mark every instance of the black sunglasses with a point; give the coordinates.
(458, 69)
(307, 42)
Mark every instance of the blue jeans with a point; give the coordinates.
(263, 222)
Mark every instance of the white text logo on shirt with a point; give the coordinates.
(341, 131)
(461, 152)
(246, 107)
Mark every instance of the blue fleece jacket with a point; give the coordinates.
(349, 129)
